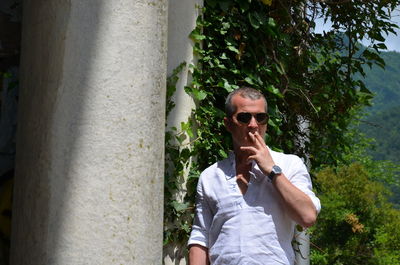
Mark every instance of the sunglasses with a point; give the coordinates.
(245, 117)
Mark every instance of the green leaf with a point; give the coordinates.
(222, 153)
(196, 35)
(233, 48)
(381, 46)
(185, 126)
(179, 207)
(271, 22)
(273, 90)
(254, 21)
(249, 80)
(228, 87)
(199, 94)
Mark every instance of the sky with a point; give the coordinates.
(392, 41)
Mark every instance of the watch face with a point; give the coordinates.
(276, 169)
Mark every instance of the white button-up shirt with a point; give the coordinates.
(252, 228)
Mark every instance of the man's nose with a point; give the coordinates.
(253, 123)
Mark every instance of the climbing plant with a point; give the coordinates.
(306, 77)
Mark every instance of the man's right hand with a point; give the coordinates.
(198, 255)
(259, 153)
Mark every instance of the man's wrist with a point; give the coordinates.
(276, 170)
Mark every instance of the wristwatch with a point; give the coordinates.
(276, 170)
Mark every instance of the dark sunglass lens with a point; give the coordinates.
(262, 118)
(243, 117)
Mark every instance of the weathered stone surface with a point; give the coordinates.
(90, 142)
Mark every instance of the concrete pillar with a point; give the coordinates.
(90, 141)
(302, 238)
(302, 247)
(182, 15)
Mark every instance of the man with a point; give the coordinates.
(248, 204)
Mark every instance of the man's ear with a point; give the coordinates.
(228, 124)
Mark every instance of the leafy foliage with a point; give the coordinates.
(357, 225)
(177, 213)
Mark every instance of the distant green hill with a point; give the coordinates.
(384, 127)
(385, 83)
(383, 117)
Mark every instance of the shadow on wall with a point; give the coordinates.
(54, 76)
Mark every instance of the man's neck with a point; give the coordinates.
(241, 160)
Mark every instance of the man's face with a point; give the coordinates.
(240, 131)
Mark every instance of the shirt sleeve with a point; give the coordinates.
(300, 177)
(203, 218)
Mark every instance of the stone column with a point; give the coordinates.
(302, 238)
(182, 16)
(302, 247)
(90, 140)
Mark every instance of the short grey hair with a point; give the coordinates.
(245, 92)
